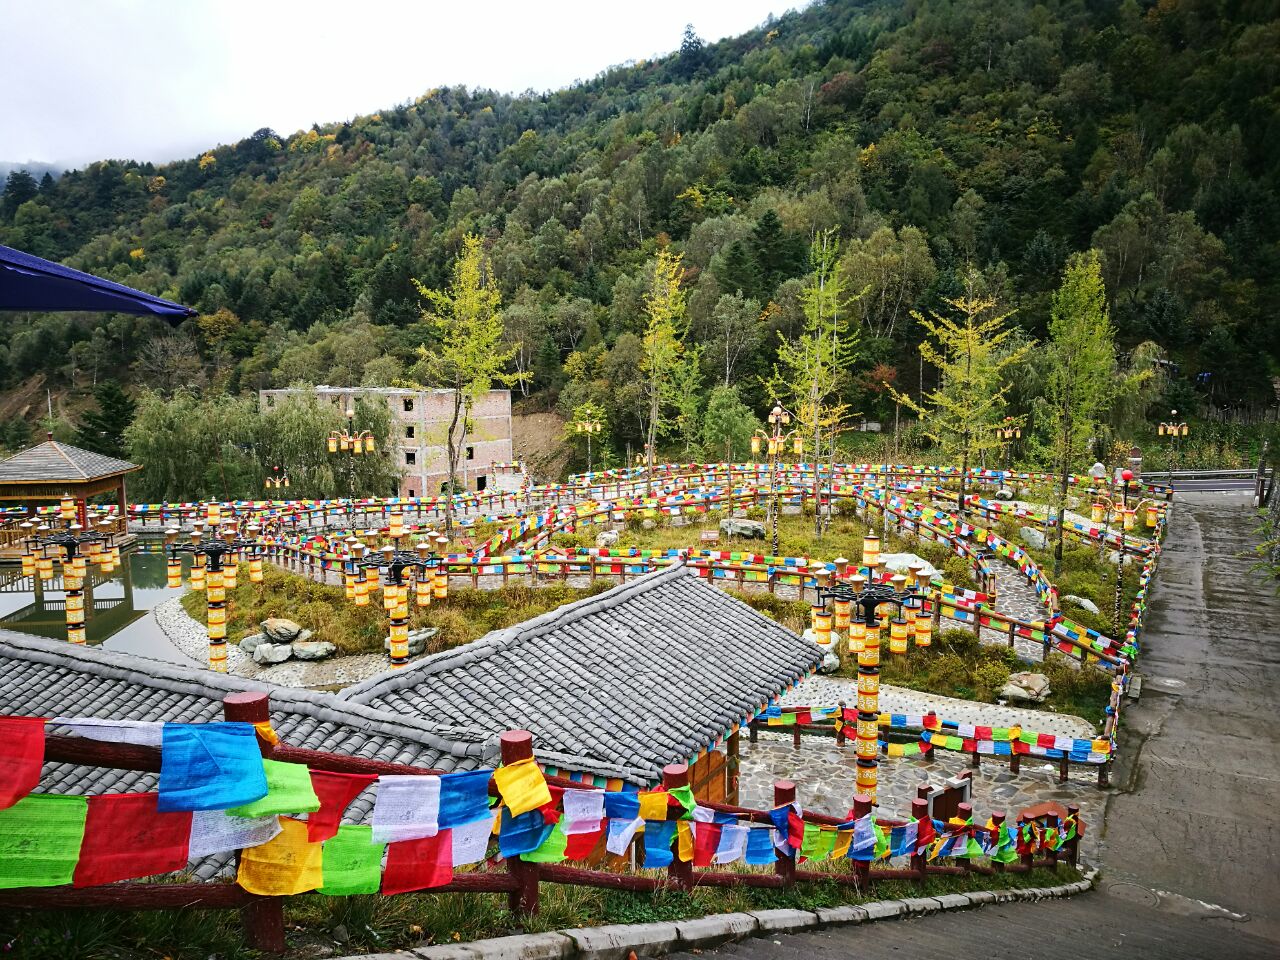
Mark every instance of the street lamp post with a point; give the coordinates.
(589, 426)
(775, 440)
(1108, 505)
(277, 480)
(1173, 429)
(352, 442)
(391, 564)
(866, 602)
(1008, 431)
(209, 574)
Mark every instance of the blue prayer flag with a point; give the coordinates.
(658, 835)
(760, 848)
(464, 797)
(210, 766)
(621, 806)
(522, 834)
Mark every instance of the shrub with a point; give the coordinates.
(988, 677)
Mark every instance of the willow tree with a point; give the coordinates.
(971, 357)
(812, 369)
(662, 357)
(470, 355)
(1081, 376)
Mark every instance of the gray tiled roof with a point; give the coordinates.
(644, 675)
(52, 460)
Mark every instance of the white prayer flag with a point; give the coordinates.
(216, 831)
(146, 733)
(583, 808)
(471, 841)
(407, 808)
(733, 843)
(621, 833)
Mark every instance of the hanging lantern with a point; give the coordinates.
(755, 446)
(797, 446)
(1128, 518)
(440, 584)
(368, 443)
(231, 572)
(1153, 515)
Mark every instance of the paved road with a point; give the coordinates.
(1192, 838)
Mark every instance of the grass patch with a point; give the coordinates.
(467, 614)
(324, 926)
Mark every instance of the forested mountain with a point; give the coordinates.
(930, 134)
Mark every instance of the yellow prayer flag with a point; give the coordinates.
(522, 785)
(841, 849)
(286, 865)
(684, 833)
(653, 806)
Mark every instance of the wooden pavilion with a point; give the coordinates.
(52, 471)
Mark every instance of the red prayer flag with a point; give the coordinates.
(924, 834)
(418, 864)
(706, 840)
(551, 812)
(21, 757)
(795, 830)
(804, 716)
(970, 746)
(126, 837)
(581, 845)
(1020, 747)
(982, 733)
(336, 791)
(1046, 740)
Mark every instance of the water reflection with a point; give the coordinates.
(117, 605)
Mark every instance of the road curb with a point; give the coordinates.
(616, 941)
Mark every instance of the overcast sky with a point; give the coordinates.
(161, 79)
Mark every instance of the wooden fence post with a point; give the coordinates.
(861, 868)
(1025, 858)
(263, 920)
(523, 900)
(784, 793)
(679, 872)
(920, 861)
(1073, 845)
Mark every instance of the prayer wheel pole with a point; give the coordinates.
(392, 564)
(209, 573)
(74, 566)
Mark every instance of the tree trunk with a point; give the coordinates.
(451, 450)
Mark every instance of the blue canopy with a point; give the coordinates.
(30, 283)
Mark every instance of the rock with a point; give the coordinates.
(1004, 493)
(744, 529)
(417, 640)
(266, 653)
(830, 663)
(648, 524)
(303, 637)
(313, 649)
(902, 562)
(1083, 602)
(341, 934)
(1033, 538)
(248, 644)
(1026, 687)
(279, 630)
(607, 538)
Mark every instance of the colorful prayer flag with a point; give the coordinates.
(286, 865)
(522, 786)
(40, 839)
(210, 766)
(407, 807)
(335, 792)
(351, 862)
(21, 757)
(464, 797)
(126, 837)
(419, 864)
(288, 791)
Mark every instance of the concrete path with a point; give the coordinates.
(1190, 845)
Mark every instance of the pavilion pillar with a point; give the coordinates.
(123, 504)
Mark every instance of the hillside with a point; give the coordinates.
(930, 134)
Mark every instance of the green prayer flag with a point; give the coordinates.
(1029, 737)
(552, 849)
(685, 796)
(973, 848)
(812, 841)
(351, 862)
(289, 790)
(882, 841)
(1000, 733)
(40, 838)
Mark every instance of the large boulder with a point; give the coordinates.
(1033, 538)
(903, 562)
(250, 643)
(607, 538)
(648, 524)
(279, 630)
(1083, 603)
(1004, 493)
(313, 649)
(268, 653)
(742, 529)
(1026, 687)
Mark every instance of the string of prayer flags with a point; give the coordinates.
(216, 831)
(471, 840)
(654, 805)
(210, 766)
(144, 733)
(40, 839)
(733, 842)
(283, 866)
(621, 833)
(522, 834)
(289, 790)
(552, 848)
(419, 864)
(21, 757)
(351, 862)
(759, 849)
(464, 797)
(522, 786)
(658, 835)
(126, 837)
(407, 808)
(335, 792)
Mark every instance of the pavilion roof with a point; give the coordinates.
(54, 461)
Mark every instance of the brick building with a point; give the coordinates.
(420, 422)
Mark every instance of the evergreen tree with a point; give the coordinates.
(18, 189)
(727, 426)
(738, 272)
(777, 254)
(102, 430)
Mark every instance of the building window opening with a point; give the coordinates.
(410, 457)
(481, 483)
(471, 453)
(408, 431)
(408, 405)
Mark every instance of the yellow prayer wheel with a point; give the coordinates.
(755, 446)
(1153, 515)
(28, 564)
(866, 747)
(870, 550)
(218, 630)
(214, 514)
(868, 729)
(217, 654)
(422, 591)
(440, 585)
(217, 616)
(76, 634)
(395, 526)
(399, 634)
(78, 567)
(231, 574)
(857, 636)
(1128, 518)
(843, 609)
(362, 592)
(333, 444)
(349, 585)
(115, 557)
(197, 574)
(869, 682)
(870, 655)
(392, 594)
(75, 604)
(1099, 513)
(173, 573)
(898, 636)
(255, 569)
(924, 630)
(867, 781)
(822, 628)
(215, 586)
(67, 508)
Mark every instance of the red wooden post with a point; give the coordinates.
(263, 920)
(784, 792)
(679, 872)
(861, 868)
(920, 861)
(1015, 761)
(997, 820)
(518, 745)
(1024, 858)
(1062, 769)
(795, 736)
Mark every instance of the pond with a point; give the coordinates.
(117, 605)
